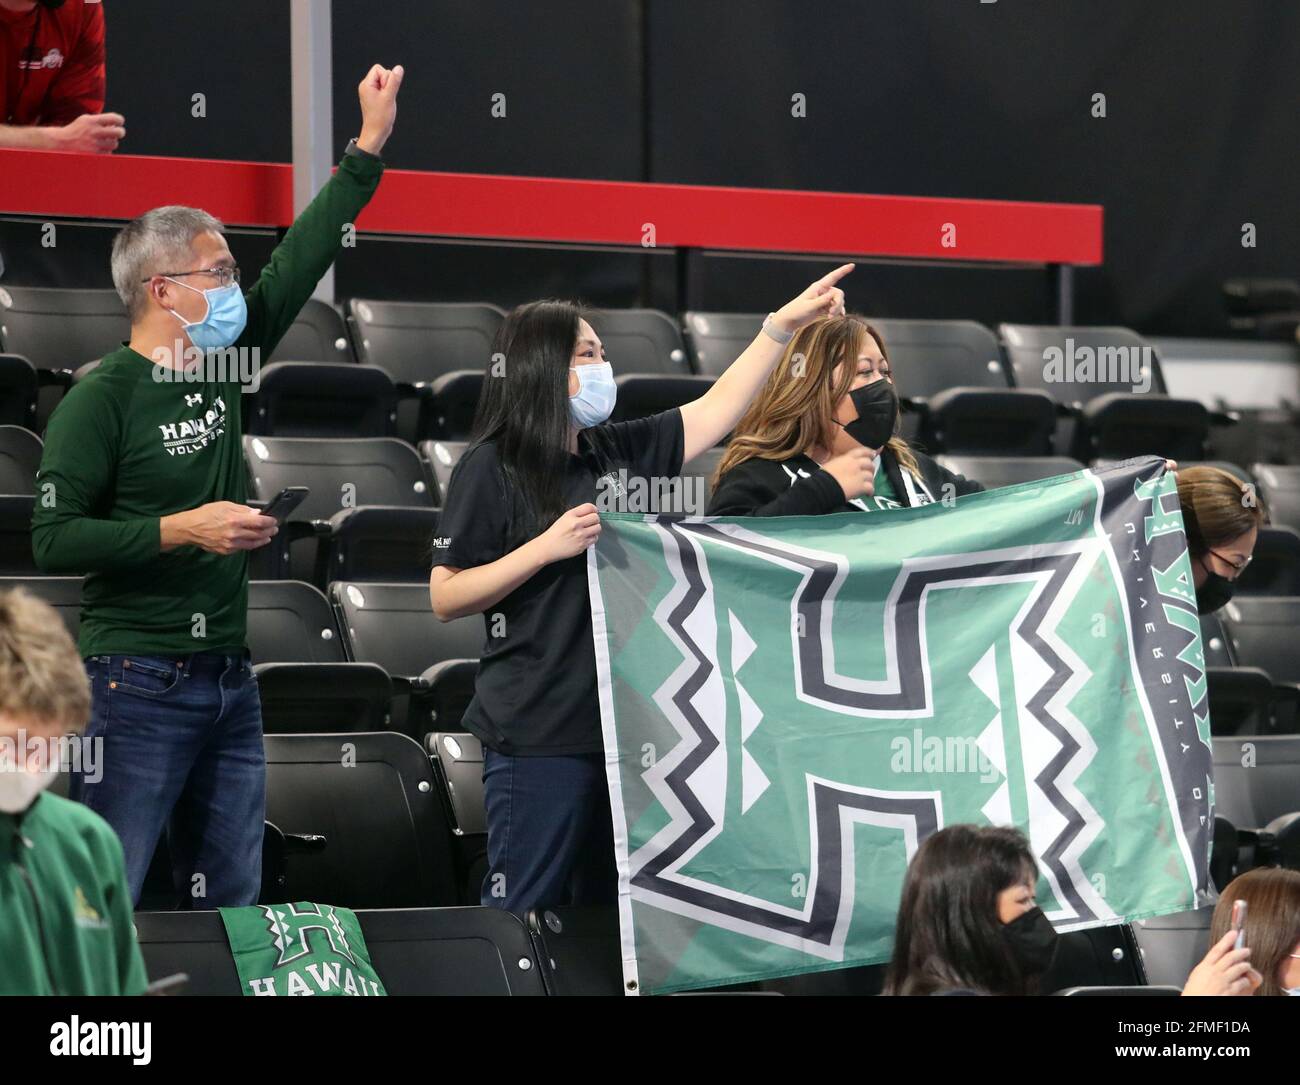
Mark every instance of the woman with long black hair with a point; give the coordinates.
(519, 514)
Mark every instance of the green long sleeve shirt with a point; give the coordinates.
(123, 450)
(65, 910)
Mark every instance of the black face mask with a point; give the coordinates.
(1032, 939)
(877, 406)
(1214, 593)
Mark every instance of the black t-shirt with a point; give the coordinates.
(535, 693)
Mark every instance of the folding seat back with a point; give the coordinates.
(19, 391)
(716, 340)
(1274, 567)
(643, 394)
(16, 558)
(414, 951)
(1172, 945)
(61, 328)
(1262, 631)
(1076, 364)
(929, 356)
(1280, 488)
(324, 399)
(578, 949)
(317, 335)
(641, 341)
(1256, 778)
(442, 457)
(341, 473)
(394, 625)
(371, 796)
(418, 341)
(997, 471)
(20, 459)
(291, 622)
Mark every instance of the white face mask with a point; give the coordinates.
(19, 788)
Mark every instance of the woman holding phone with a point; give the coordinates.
(518, 518)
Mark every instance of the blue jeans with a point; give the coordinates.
(181, 750)
(550, 837)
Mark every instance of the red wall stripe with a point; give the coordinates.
(553, 209)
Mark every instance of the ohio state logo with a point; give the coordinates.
(52, 59)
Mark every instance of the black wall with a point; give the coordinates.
(920, 97)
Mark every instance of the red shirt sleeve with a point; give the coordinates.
(79, 87)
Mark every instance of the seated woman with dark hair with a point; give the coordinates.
(968, 923)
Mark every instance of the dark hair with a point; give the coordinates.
(524, 407)
(949, 935)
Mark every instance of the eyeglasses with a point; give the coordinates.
(1237, 569)
(225, 275)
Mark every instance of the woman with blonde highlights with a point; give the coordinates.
(821, 436)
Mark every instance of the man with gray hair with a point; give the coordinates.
(142, 487)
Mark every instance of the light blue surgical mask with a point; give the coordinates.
(594, 401)
(224, 323)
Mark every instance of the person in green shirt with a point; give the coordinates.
(65, 910)
(142, 488)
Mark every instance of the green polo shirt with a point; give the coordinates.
(65, 910)
(124, 450)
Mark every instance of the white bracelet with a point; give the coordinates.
(780, 336)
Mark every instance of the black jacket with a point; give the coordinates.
(799, 487)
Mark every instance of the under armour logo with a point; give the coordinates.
(193, 398)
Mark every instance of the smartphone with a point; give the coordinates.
(285, 502)
(1239, 923)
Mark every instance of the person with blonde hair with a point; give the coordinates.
(822, 435)
(1272, 927)
(1222, 516)
(66, 908)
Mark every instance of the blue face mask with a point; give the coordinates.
(597, 391)
(224, 323)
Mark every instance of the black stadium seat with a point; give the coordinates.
(19, 391)
(1110, 419)
(458, 766)
(317, 335)
(578, 949)
(1172, 945)
(414, 951)
(16, 557)
(997, 471)
(371, 796)
(60, 329)
(345, 476)
(20, 459)
(63, 593)
(1280, 488)
(442, 456)
(1241, 698)
(447, 410)
(418, 342)
(1274, 567)
(715, 340)
(1262, 629)
(306, 681)
(1256, 778)
(644, 394)
(324, 399)
(951, 375)
(394, 626)
(641, 341)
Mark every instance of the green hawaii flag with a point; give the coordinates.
(791, 705)
(300, 949)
